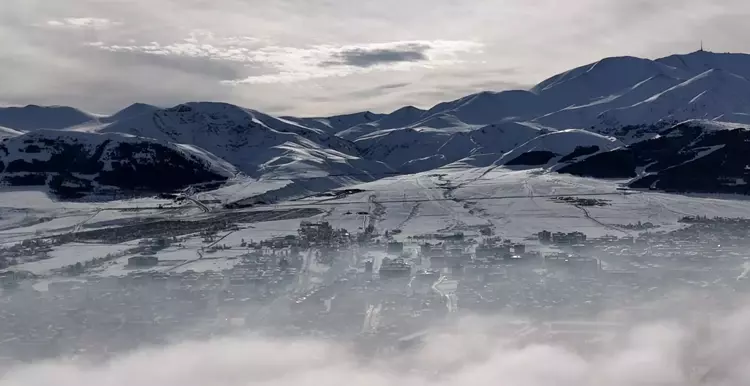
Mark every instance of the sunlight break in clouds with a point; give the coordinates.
(83, 22)
(473, 351)
(323, 61)
(292, 64)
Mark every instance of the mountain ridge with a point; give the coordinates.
(626, 98)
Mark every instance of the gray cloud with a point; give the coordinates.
(360, 57)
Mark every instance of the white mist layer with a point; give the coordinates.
(472, 352)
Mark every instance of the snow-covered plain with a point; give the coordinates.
(70, 254)
(516, 204)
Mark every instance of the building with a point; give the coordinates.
(316, 232)
(429, 250)
(545, 237)
(143, 261)
(501, 251)
(568, 238)
(394, 268)
(395, 247)
(8, 279)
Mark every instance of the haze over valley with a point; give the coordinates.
(277, 207)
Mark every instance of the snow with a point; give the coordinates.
(6, 132)
(215, 265)
(599, 96)
(562, 143)
(17, 147)
(608, 76)
(58, 224)
(40, 199)
(708, 95)
(587, 115)
(334, 124)
(243, 188)
(70, 254)
(398, 147)
(516, 204)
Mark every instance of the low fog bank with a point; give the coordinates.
(681, 341)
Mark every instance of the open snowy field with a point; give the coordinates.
(27, 213)
(457, 198)
(516, 204)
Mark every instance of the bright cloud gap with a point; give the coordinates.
(293, 64)
(83, 22)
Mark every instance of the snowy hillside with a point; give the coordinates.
(403, 117)
(491, 107)
(74, 163)
(131, 111)
(558, 147)
(415, 150)
(587, 115)
(8, 133)
(710, 95)
(334, 124)
(256, 143)
(404, 149)
(694, 156)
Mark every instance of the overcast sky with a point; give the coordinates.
(320, 57)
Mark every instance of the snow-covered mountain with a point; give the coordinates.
(334, 124)
(8, 133)
(76, 163)
(558, 147)
(582, 114)
(693, 156)
(259, 145)
(411, 150)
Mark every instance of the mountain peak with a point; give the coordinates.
(32, 117)
(132, 110)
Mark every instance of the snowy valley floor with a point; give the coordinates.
(514, 204)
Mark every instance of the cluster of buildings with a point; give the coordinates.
(570, 238)
(30, 249)
(378, 291)
(496, 249)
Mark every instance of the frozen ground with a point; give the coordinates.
(515, 204)
(70, 254)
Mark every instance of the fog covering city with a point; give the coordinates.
(449, 193)
(660, 306)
